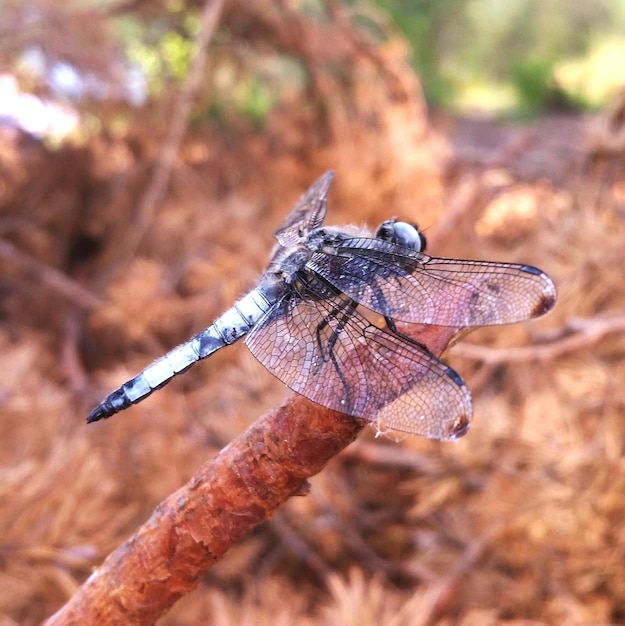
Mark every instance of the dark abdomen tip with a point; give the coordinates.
(100, 412)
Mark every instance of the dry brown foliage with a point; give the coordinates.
(519, 522)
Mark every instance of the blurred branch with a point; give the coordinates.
(192, 529)
(299, 546)
(577, 333)
(392, 456)
(157, 186)
(50, 276)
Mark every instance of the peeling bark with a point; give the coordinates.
(228, 496)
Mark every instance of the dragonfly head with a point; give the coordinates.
(402, 233)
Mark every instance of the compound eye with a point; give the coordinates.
(403, 234)
(409, 235)
(386, 231)
(424, 241)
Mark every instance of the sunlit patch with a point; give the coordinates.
(512, 212)
(618, 193)
(39, 117)
(515, 211)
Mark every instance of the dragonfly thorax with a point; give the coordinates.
(287, 263)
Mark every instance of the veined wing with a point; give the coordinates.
(411, 286)
(325, 350)
(307, 214)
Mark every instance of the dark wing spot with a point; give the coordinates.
(544, 305)
(460, 428)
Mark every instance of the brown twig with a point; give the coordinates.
(439, 594)
(50, 277)
(167, 156)
(195, 526)
(577, 334)
(392, 456)
(299, 546)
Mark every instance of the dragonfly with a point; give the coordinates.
(308, 321)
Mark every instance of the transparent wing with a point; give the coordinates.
(407, 285)
(308, 213)
(328, 352)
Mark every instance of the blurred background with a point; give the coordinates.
(149, 149)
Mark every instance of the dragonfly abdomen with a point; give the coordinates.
(231, 326)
